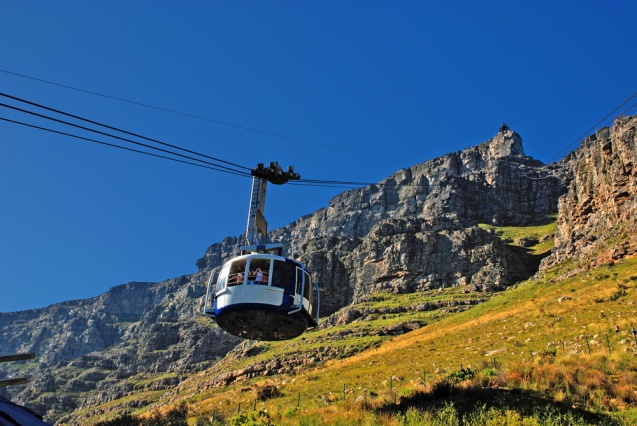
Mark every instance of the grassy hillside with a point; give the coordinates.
(546, 342)
(538, 239)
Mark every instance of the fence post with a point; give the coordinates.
(588, 345)
(608, 343)
(239, 409)
(298, 401)
(343, 391)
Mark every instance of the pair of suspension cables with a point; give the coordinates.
(171, 152)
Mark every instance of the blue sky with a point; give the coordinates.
(359, 89)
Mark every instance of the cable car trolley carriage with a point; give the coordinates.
(261, 294)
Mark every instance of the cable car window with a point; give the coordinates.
(223, 278)
(284, 276)
(259, 271)
(237, 272)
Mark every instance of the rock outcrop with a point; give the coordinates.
(601, 203)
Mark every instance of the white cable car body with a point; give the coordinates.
(261, 294)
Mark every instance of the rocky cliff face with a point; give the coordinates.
(415, 230)
(601, 203)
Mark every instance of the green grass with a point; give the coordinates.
(367, 331)
(22, 367)
(148, 378)
(515, 234)
(113, 409)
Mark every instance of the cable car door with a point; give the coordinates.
(298, 293)
(210, 293)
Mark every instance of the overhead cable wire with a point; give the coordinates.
(306, 182)
(119, 137)
(621, 113)
(604, 144)
(550, 175)
(198, 117)
(593, 127)
(337, 182)
(120, 130)
(121, 147)
(628, 109)
(322, 185)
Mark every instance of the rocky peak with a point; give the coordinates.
(505, 144)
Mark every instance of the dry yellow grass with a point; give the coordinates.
(518, 328)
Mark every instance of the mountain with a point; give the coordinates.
(430, 226)
(400, 234)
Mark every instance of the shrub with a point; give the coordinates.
(495, 417)
(291, 412)
(413, 417)
(461, 375)
(125, 420)
(214, 418)
(175, 417)
(548, 354)
(447, 415)
(618, 294)
(268, 392)
(254, 418)
(552, 416)
(407, 392)
(489, 372)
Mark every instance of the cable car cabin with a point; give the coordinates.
(262, 295)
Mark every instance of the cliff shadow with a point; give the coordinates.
(523, 262)
(471, 401)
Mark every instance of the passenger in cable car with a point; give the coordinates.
(259, 276)
(236, 275)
